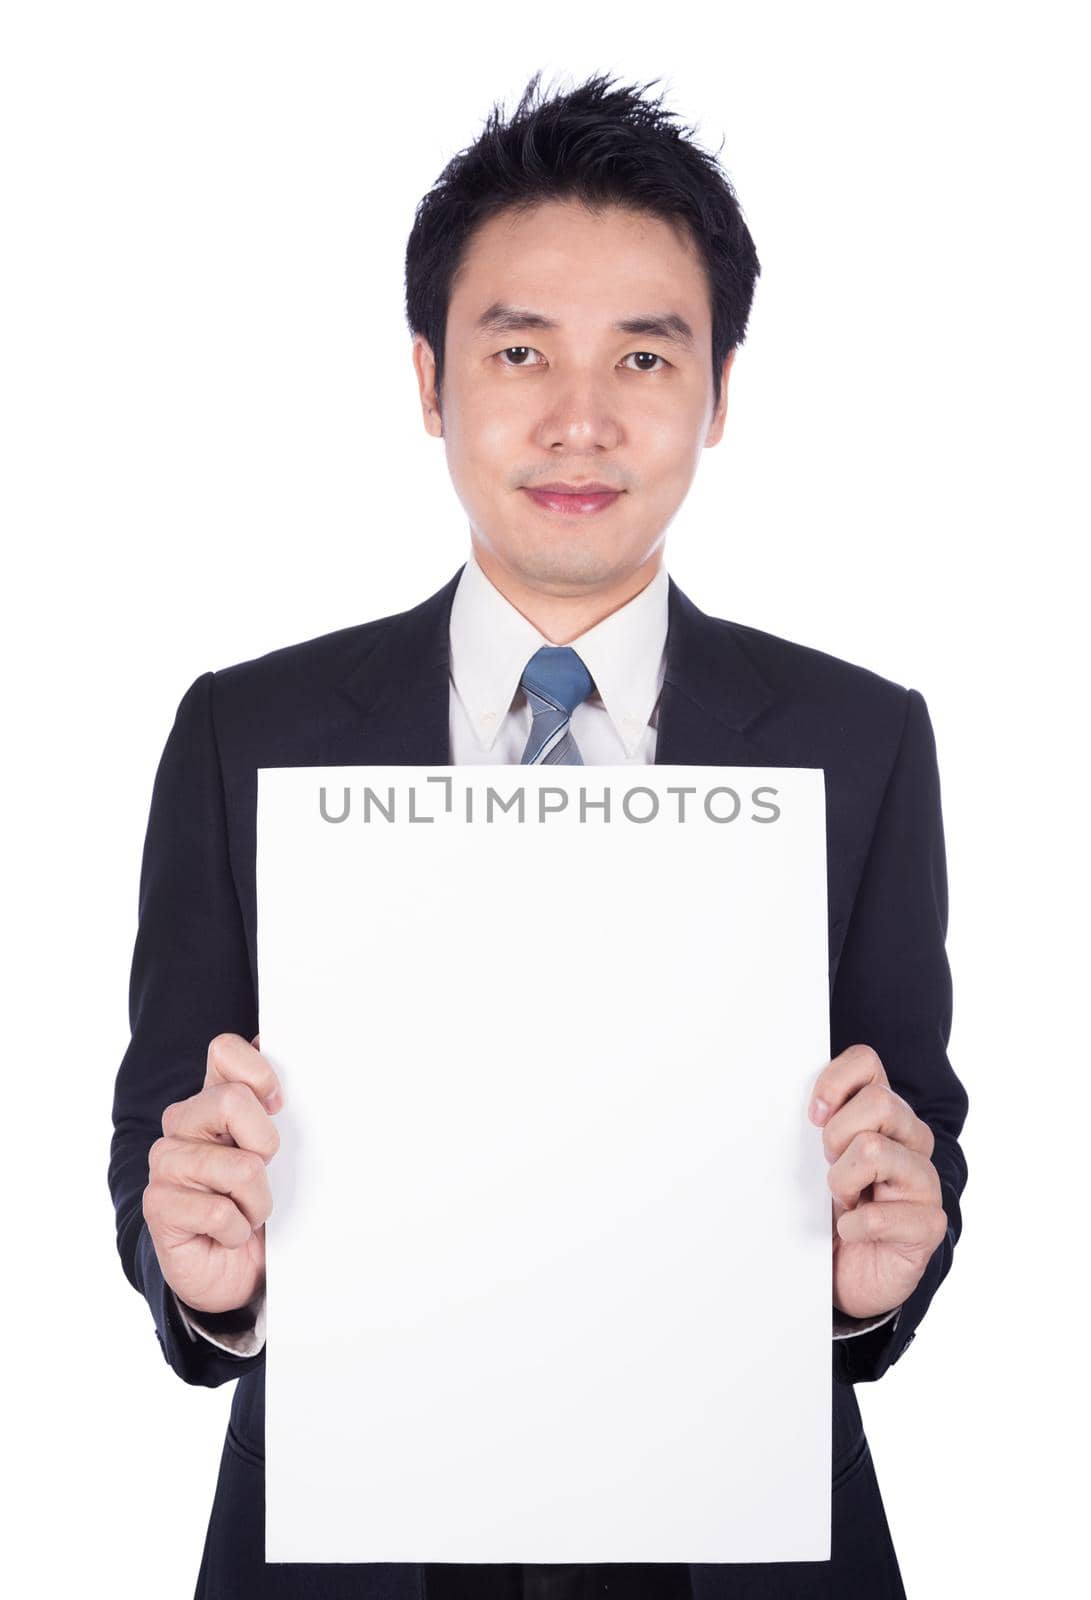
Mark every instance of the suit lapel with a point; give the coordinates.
(711, 694)
(402, 689)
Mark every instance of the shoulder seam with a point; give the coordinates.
(223, 796)
(882, 804)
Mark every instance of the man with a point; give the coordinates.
(568, 279)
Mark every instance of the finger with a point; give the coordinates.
(215, 1169)
(878, 1107)
(903, 1222)
(872, 1158)
(232, 1060)
(273, 1102)
(225, 1112)
(177, 1213)
(853, 1069)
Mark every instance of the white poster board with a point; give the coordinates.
(549, 1265)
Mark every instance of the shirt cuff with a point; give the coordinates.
(248, 1342)
(845, 1327)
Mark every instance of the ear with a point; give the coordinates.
(424, 364)
(716, 426)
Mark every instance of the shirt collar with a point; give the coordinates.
(491, 642)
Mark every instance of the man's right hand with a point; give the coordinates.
(208, 1193)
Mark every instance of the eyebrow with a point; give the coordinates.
(668, 325)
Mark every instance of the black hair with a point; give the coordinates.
(600, 145)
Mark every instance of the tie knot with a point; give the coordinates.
(556, 674)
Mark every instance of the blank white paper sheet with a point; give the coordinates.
(549, 1264)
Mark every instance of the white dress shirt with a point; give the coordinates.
(490, 722)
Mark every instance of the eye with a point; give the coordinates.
(518, 349)
(646, 353)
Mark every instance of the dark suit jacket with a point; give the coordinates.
(377, 694)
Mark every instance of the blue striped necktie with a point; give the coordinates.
(554, 681)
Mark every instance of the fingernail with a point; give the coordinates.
(819, 1110)
(274, 1101)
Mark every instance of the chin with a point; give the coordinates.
(569, 562)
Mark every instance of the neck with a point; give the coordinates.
(561, 617)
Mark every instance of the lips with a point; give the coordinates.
(577, 488)
(570, 501)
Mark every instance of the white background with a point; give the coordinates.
(212, 447)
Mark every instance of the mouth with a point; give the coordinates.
(574, 500)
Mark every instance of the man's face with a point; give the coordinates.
(525, 405)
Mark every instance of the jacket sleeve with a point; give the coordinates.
(190, 980)
(892, 991)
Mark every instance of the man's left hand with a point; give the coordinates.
(888, 1216)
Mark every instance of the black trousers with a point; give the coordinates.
(603, 1581)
